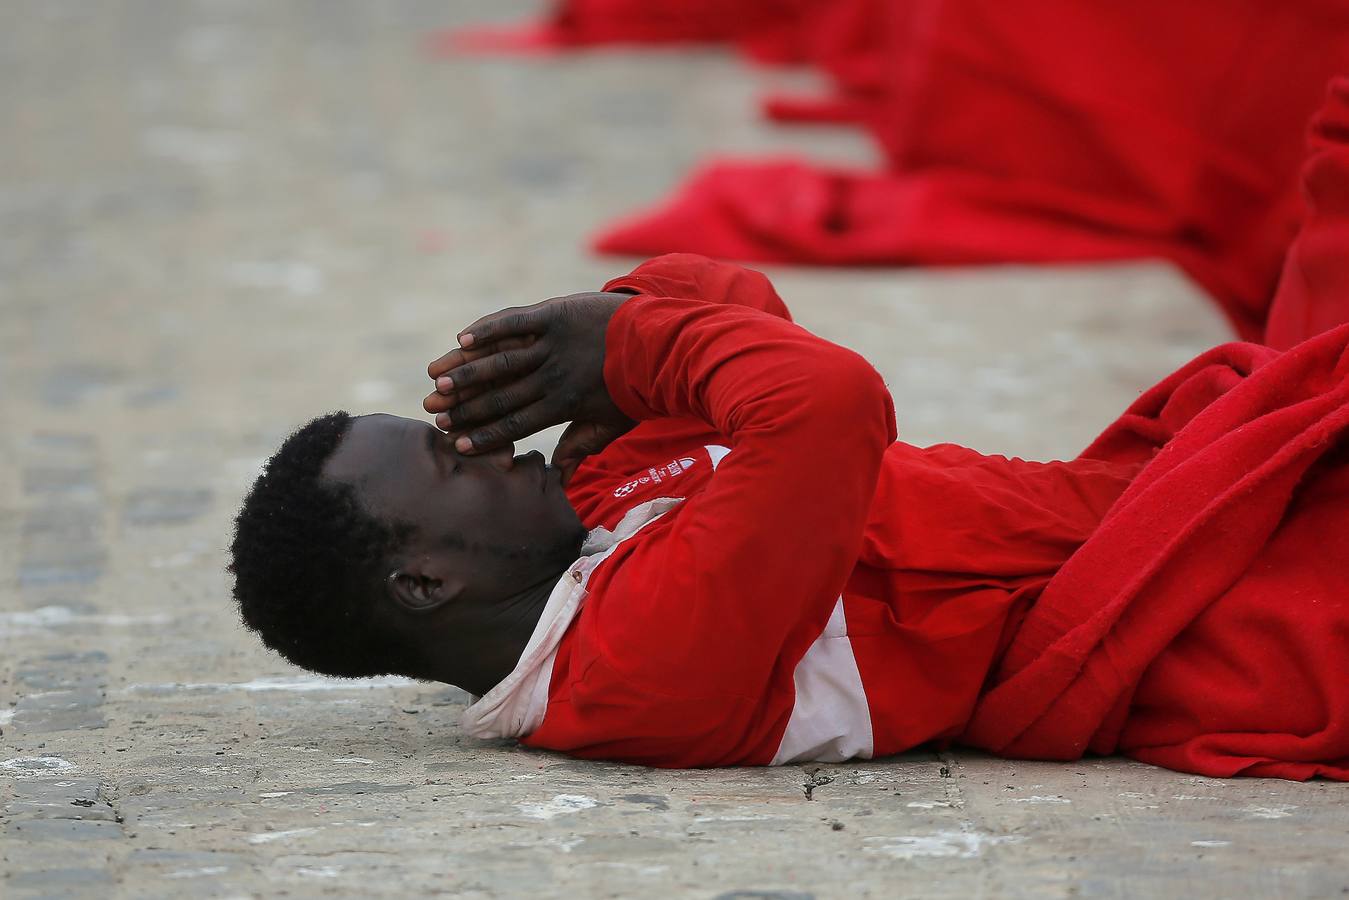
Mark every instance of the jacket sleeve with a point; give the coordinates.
(706, 617)
(694, 277)
(685, 276)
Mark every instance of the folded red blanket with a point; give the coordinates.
(1205, 625)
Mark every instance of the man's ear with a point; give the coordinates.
(419, 592)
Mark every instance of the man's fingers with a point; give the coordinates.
(514, 426)
(517, 321)
(436, 402)
(571, 449)
(566, 468)
(459, 356)
(442, 364)
(503, 365)
(497, 402)
(582, 439)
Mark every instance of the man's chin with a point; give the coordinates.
(569, 549)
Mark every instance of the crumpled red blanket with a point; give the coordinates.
(1059, 131)
(1205, 625)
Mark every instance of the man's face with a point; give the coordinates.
(508, 517)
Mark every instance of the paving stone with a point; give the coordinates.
(182, 858)
(60, 711)
(48, 829)
(50, 479)
(72, 385)
(62, 670)
(48, 443)
(165, 506)
(57, 550)
(68, 810)
(63, 790)
(540, 170)
(71, 525)
(59, 883)
(76, 799)
(153, 395)
(46, 574)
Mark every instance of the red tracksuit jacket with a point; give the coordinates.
(771, 578)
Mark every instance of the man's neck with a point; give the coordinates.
(513, 623)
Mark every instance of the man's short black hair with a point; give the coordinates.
(309, 562)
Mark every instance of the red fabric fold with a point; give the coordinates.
(1313, 293)
(1205, 625)
(788, 210)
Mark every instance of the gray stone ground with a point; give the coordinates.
(218, 218)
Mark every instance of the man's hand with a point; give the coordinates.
(524, 369)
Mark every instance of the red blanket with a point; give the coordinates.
(1053, 132)
(1056, 132)
(1205, 625)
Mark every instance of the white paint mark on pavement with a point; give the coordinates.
(959, 844)
(561, 805)
(1280, 811)
(741, 817)
(197, 873)
(36, 765)
(1210, 843)
(355, 759)
(637, 868)
(319, 871)
(298, 685)
(27, 621)
(267, 837)
(1038, 799)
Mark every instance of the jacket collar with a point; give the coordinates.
(516, 706)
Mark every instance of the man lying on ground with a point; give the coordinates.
(733, 561)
